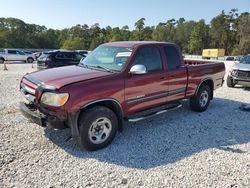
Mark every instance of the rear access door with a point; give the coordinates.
(176, 73)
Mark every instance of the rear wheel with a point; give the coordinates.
(30, 60)
(230, 81)
(202, 99)
(98, 126)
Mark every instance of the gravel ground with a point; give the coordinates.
(177, 149)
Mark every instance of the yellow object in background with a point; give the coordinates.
(213, 53)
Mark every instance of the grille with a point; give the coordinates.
(28, 92)
(41, 63)
(243, 74)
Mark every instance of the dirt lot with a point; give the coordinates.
(177, 149)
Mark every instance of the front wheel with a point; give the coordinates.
(98, 126)
(230, 81)
(202, 99)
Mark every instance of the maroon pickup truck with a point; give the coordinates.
(116, 82)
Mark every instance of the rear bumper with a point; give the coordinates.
(41, 119)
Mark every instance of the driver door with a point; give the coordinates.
(143, 91)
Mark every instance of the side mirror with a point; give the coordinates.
(138, 69)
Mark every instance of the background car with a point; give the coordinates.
(27, 52)
(83, 52)
(230, 58)
(37, 54)
(240, 73)
(15, 55)
(238, 58)
(58, 58)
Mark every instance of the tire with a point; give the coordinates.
(201, 100)
(98, 126)
(1, 60)
(30, 60)
(230, 81)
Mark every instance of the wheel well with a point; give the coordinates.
(114, 106)
(210, 84)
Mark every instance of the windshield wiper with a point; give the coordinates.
(96, 67)
(104, 68)
(83, 65)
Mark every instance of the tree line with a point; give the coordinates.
(230, 31)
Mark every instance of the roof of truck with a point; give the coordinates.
(132, 44)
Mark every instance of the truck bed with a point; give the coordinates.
(199, 70)
(199, 61)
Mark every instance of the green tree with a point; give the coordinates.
(116, 34)
(199, 38)
(242, 46)
(75, 43)
(125, 33)
(165, 31)
(139, 25)
(220, 32)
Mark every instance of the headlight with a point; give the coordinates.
(233, 72)
(54, 99)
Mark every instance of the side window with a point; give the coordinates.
(20, 52)
(77, 56)
(59, 55)
(12, 52)
(150, 57)
(64, 55)
(173, 57)
(68, 55)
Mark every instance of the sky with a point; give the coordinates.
(59, 14)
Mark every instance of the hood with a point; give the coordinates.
(241, 66)
(59, 77)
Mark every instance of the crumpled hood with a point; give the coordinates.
(59, 77)
(241, 66)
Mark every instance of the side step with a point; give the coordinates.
(144, 115)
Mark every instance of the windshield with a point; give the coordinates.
(44, 56)
(108, 57)
(245, 60)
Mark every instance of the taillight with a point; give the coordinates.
(49, 58)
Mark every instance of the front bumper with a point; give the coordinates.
(39, 67)
(30, 112)
(242, 82)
